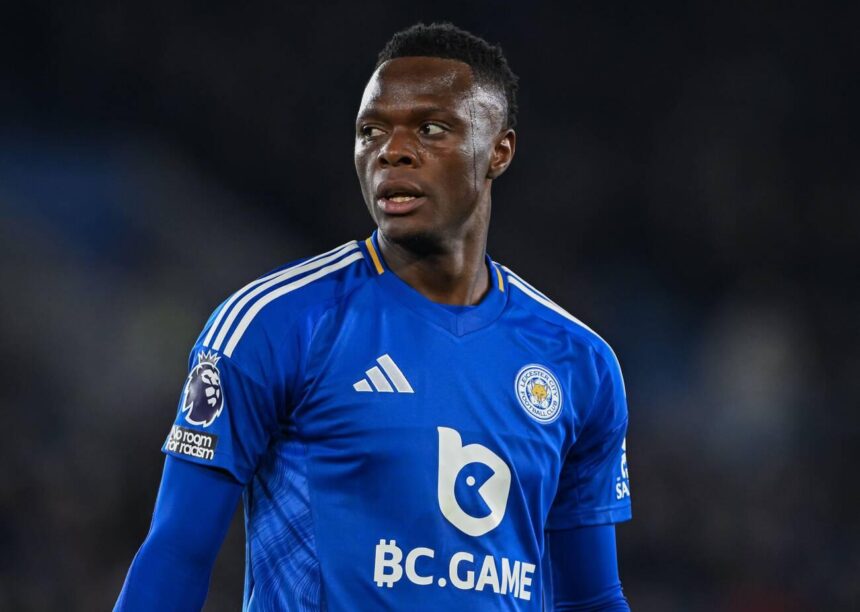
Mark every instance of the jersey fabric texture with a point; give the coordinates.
(397, 453)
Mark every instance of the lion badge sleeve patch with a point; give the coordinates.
(224, 417)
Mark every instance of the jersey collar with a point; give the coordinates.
(458, 321)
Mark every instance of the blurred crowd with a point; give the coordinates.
(686, 183)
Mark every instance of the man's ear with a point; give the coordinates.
(503, 153)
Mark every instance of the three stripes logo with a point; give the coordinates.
(378, 381)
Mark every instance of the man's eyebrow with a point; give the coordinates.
(417, 110)
(429, 110)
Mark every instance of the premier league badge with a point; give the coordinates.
(202, 401)
(539, 393)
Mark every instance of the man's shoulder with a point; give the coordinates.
(271, 303)
(549, 313)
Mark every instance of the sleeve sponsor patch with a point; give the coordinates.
(622, 482)
(191, 443)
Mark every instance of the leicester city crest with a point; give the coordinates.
(202, 401)
(539, 393)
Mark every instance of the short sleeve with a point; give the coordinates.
(594, 487)
(229, 407)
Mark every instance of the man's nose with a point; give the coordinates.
(399, 150)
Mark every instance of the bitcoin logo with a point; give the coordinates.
(387, 569)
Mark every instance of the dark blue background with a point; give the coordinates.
(686, 183)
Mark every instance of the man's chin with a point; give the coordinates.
(409, 235)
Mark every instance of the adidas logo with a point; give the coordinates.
(380, 382)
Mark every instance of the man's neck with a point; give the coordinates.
(456, 274)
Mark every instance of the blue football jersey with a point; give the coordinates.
(398, 453)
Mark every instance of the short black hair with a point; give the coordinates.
(447, 41)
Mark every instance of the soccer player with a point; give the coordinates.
(410, 424)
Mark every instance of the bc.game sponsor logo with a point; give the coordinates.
(622, 482)
(453, 457)
(192, 443)
(462, 571)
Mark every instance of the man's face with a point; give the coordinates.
(428, 142)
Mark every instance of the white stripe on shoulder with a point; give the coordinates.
(270, 281)
(281, 291)
(229, 303)
(544, 301)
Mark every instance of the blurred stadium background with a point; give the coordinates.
(686, 182)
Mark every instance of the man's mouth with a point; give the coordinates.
(395, 198)
(399, 204)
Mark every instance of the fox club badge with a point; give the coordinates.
(539, 393)
(202, 401)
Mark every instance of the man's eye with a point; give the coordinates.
(369, 131)
(432, 129)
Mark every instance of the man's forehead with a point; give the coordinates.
(418, 76)
(405, 80)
